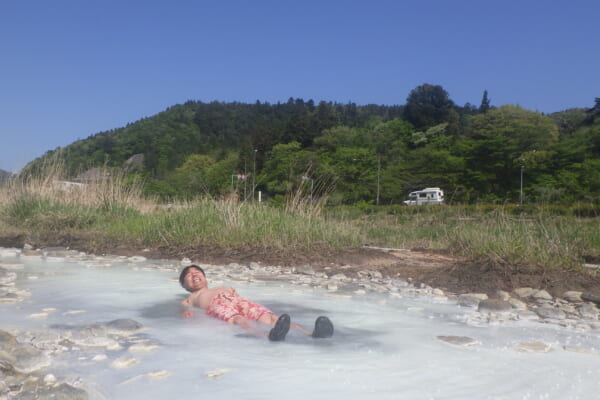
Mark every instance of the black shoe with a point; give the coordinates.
(323, 328)
(282, 326)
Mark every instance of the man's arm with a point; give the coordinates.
(186, 312)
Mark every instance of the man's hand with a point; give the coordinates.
(187, 314)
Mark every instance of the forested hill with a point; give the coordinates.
(475, 153)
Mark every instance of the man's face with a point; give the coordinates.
(194, 280)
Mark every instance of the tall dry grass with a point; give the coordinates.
(48, 200)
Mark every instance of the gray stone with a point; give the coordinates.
(339, 277)
(573, 296)
(254, 266)
(9, 252)
(124, 325)
(517, 304)
(471, 299)
(533, 347)
(550, 313)
(59, 252)
(304, 270)
(542, 295)
(494, 305)
(462, 341)
(588, 311)
(503, 295)
(524, 292)
(528, 315)
(62, 391)
(125, 361)
(7, 277)
(26, 358)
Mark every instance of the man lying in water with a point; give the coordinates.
(224, 303)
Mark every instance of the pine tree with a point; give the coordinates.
(485, 103)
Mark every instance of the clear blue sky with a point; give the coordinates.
(70, 69)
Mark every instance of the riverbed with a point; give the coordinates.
(401, 343)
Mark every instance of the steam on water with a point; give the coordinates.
(384, 347)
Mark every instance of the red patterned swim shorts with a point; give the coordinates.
(228, 304)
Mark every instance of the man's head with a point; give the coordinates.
(192, 278)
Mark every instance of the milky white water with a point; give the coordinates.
(383, 348)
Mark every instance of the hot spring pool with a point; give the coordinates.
(384, 347)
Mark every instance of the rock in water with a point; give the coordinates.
(63, 391)
(461, 341)
(217, 373)
(124, 325)
(533, 347)
(125, 361)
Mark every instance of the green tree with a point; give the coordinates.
(485, 103)
(287, 163)
(428, 105)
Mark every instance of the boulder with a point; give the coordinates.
(588, 311)
(62, 391)
(494, 305)
(471, 299)
(304, 270)
(542, 295)
(524, 292)
(517, 304)
(573, 296)
(550, 313)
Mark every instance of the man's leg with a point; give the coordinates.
(271, 319)
(245, 325)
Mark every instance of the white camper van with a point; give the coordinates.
(425, 196)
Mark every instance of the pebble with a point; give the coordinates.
(162, 374)
(461, 341)
(50, 379)
(125, 361)
(581, 350)
(73, 312)
(185, 262)
(143, 348)
(137, 259)
(533, 347)
(39, 315)
(216, 373)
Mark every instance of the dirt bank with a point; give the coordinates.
(434, 268)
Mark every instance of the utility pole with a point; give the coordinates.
(521, 197)
(378, 174)
(254, 174)
(245, 180)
